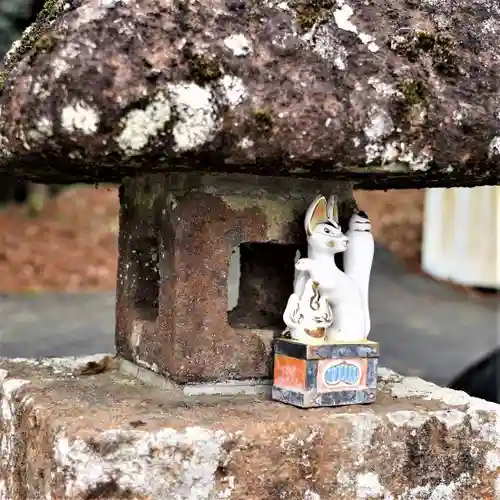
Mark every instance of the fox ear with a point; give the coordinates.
(316, 213)
(333, 209)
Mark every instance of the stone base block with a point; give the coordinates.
(69, 433)
(325, 375)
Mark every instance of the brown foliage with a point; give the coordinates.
(69, 246)
(72, 244)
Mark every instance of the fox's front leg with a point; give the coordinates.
(302, 276)
(309, 268)
(305, 265)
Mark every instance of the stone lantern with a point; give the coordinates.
(221, 121)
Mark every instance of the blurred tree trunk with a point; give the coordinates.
(36, 196)
(32, 195)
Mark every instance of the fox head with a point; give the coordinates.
(323, 230)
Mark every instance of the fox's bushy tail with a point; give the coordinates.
(358, 258)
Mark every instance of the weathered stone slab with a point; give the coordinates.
(388, 93)
(70, 436)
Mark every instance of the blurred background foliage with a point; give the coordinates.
(15, 17)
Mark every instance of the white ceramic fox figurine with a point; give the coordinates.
(346, 292)
(308, 315)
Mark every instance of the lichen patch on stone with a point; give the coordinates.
(60, 62)
(60, 66)
(89, 12)
(245, 143)
(340, 60)
(80, 118)
(494, 147)
(63, 366)
(10, 386)
(141, 125)
(380, 124)
(15, 47)
(342, 17)
(234, 89)
(450, 418)
(493, 460)
(190, 107)
(109, 4)
(39, 89)
(443, 491)
(197, 118)
(368, 486)
(238, 44)
(4, 152)
(324, 43)
(311, 495)
(417, 162)
(397, 157)
(11, 403)
(409, 387)
(383, 89)
(165, 464)
(407, 417)
(43, 130)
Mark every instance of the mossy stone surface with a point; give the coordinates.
(310, 12)
(414, 92)
(263, 120)
(440, 47)
(294, 89)
(33, 39)
(203, 70)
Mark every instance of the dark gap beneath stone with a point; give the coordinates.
(487, 291)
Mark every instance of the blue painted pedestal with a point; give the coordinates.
(325, 375)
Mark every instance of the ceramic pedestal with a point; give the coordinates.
(338, 374)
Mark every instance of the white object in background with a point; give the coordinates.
(461, 235)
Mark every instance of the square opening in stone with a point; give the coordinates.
(148, 278)
(260, 280)
(139, 262)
